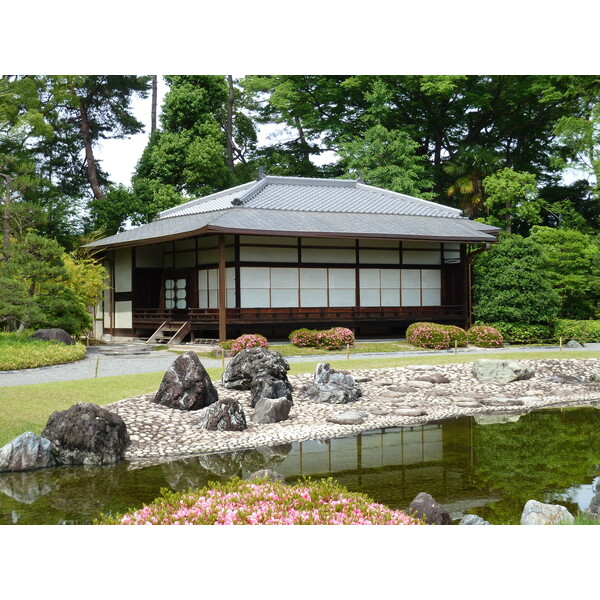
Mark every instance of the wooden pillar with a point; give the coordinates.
(222, 290)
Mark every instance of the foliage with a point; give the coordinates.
(428, 335)
(18, 351)
(263, 502)
(581, 331)
(484, 336)
(249, 340)
(457, 335)
(511, 285)
(527, 333)
(329, 339)
(572, 264)
(511, 196)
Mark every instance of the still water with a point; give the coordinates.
(489, 466)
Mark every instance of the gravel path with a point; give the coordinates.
(123, 359)
(399, 396)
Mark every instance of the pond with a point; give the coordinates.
(489, 466)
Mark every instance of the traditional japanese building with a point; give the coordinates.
(279, 253)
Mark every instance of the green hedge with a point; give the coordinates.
(525, 334)
(581, 331)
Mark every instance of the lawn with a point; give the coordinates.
(27, 407)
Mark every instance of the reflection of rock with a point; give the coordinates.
(538, 513)
(226, 464)
(266, 457)
(426, 508)
(267, 474)
(497, 418)
(192, 473)
(500, 371)
(26, 453)
(594, 507)
(26, 487)
(186, 385)
(86, 434)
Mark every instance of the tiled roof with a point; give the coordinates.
(302, 206)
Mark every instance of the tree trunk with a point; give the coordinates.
(89, 152)
(154, 99)
(229, 125)
(6, 219)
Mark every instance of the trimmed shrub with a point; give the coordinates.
(428, 335)
(581, 331)
(330, 339)
(485, 336)
(263, 502)
(457, 334)
(249, 340)
(525, 333)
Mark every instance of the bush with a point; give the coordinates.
(249, 340)
(457, 334)
(485, 336)
(264, 502)
(17, 351)
(581, 331)
(428, 335)
(330, 339)
(523, 333)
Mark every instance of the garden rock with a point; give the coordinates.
(26, 453)
(332, 387)
(272, 410)
(424, 507)
(595, 377)
(251, 363)
(433, 378)
(473, 520)
(500, 371)
(86, 434)
(53, 335)
(224, 415)
(267, 386)
(267, 474)
(573, 344)
(351, 417)
(502, 401)
(186, 385)
(538, 513)
(324, 373)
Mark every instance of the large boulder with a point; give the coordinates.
(500, 371)
(267, 386)
(332, 387)
(224, 415)
(186, 385)
(26, 453)
(86, 434)
(53, 335)
(538, 513)
(251, 363)
(424, 507)
(272, 410)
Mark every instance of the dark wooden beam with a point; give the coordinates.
(222, 290)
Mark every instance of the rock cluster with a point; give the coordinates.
(332, 387)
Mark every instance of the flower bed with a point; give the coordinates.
(238, 502)
(330, 339)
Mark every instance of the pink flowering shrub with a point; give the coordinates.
(263, 502)
(330, 339)
(249, 340)
(428, 335)
(457, 334)
(485, 336)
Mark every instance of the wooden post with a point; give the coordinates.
(223, 358)
(560, 344)
(222, 290)
(455, 346)
(347, 351)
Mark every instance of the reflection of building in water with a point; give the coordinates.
(383, 462)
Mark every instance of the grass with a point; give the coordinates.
(18, 351)
(27, 407)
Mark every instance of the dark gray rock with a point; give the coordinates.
(500, 371)
(332, 387)
(53, 335)
(224, 415)
(473, 520)
(186, 385)
(267, 386)
(251, 363)
(26, 453)
(424, 507)
(324, 374)
(86, 434)
(267, 474)
(538, 513)
(433, 378)
(351, 417)
(272, 410)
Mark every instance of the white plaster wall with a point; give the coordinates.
(123, 318)
(123, 264)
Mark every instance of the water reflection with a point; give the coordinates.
(489, 466)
